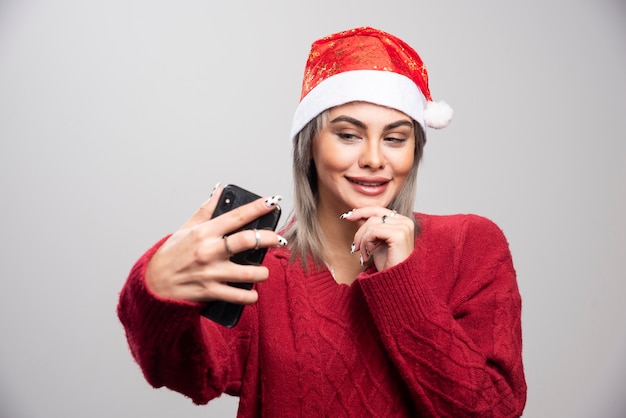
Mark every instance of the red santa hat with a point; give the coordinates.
(367, 64)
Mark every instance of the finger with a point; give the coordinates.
(236, 295)
(371, 215)
(216, 288)
(205, 211)
(253, 239)
(360, 215)
(386, 225)
(369, 236)
(207, 250)
(204, 283)
(240, 216)
(395, 241)
(221, 291)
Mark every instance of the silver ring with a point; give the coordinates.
(258, 239)
(384, 218)
(228, 250)
(392, 214)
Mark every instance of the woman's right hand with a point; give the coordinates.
(194, 263)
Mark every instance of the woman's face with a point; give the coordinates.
(363, 156)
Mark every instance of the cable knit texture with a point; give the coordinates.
(438, 335)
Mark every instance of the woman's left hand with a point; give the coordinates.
(383, 234)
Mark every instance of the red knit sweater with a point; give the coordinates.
(437, 335)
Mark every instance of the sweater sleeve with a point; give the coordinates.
(175, 346)
(456, 340)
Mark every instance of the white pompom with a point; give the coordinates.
(437, 114)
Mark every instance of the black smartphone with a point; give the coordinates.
(226, 313)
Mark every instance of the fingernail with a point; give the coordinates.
(361, 259)
(273, 201)
(352, 247)
(215, 188)
(345, 215)
(282, 241)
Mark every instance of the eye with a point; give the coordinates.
(347, 136)
(395, 140)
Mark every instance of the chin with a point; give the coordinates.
(370, 201)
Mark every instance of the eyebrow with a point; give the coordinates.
(360, 124)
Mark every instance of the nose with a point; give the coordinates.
(372, 156)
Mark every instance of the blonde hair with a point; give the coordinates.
(303, 235)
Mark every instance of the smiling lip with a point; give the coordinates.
(370, 186)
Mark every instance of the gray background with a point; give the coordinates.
(117, 117)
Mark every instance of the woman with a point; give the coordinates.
(370, 309)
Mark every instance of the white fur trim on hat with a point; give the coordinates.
(384, 88)
(438, 114)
